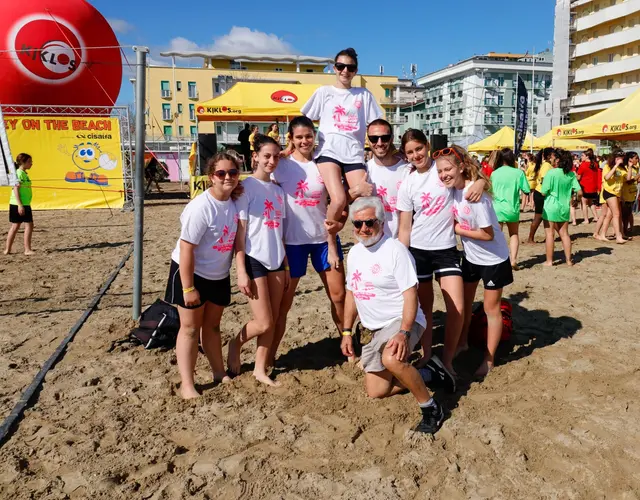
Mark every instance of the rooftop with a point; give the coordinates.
(272, 58)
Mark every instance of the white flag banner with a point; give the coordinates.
(7, 167)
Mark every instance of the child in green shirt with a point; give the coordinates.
(557, 187)
(20, 205)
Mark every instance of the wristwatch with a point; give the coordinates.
(407, 333)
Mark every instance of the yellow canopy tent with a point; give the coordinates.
(550, 140)
(256, 102)
(503, 138)
(620, 122)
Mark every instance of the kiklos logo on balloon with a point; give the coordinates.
(47, 50)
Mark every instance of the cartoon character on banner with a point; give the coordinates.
(88, 157)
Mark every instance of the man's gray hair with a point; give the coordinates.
(368, 202)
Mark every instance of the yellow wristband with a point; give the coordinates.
(190, 289)
(287, 268)
(346, 333)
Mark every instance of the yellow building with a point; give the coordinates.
(173, 91)
(597, 55)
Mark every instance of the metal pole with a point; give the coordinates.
(138, 198)
(533, 92)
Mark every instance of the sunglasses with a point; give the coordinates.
(369, 223)
(446, 152)
(373, 139)
(351, 68)
(221, 174)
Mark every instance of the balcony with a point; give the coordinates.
(165, 94)
(402, 101)
(608, 14)
(607, 69)
(602, 96)
(166, 115)
(193, 93)
(631, 35)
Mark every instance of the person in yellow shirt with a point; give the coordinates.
(629, 192)
(252, 136)
(529, 173)
(544, 162)
(614, 176)
(274, 133)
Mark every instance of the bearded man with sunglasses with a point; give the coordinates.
(382, 291)
(387, 169)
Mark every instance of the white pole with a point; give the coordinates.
(533, 91)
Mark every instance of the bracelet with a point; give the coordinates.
(287, 268)
(406, 333)
(346, 332)
(190, 289)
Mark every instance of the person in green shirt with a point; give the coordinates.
(20, 205)
(557, 187)
(507, 181)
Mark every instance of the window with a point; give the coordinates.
(594, 87)
(219, 129)
(309, 71)
(166, 112)
(165, 88)
(180, 131)
(179, 86)
(500, 119)
(610, 57)
(500, 100)
(595, 60)
(194, 131)
(278, 69)
(193, 91)
(216, 88)
(180, 108)
(487, 81)
(192, 112)
(167, 130)
(387, 93)
(501, 81)
(610, 84)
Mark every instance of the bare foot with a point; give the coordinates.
(233, 357)
(264, 378)
(548, 264)
(600, 238)
(570, 263)
(29, 252)
(6, 252)
(190, 393)
(221, 378)
(621, 242)
(484, 369)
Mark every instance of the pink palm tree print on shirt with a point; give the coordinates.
(356, 277)
(338, 113)
(301, 188)
(268, 208)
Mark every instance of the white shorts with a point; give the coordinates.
(372, 352)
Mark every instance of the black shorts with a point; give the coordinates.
(345, 167)
(606, 195)
(439, 262)
(538, 202)
(493, 277)
(16, 218)
(255, 269)
(217, 292)
(590, 196)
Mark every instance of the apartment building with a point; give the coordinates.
(474, 98)
(597, 56)
(174, 90)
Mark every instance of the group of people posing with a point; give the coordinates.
(406, 208)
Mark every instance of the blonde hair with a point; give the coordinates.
(470, 169)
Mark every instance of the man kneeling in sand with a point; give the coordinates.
(382, 290)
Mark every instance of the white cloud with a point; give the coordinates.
(240, 39)
(120, 25)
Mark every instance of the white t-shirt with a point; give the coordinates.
(211, 225)
(478, 216)
(432, 203)
(386, 183)
(377, 276)
(262, 206)
(344, 115)
(306, 199)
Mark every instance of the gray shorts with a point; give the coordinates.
(372, 352)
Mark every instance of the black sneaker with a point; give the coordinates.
(440, 375)
(432, 418)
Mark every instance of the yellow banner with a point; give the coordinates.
(198, 184)
(77, 161)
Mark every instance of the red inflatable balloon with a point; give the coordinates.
(47, 54)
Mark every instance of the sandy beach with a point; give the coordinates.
(559, 417)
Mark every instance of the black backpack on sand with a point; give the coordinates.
(159, 325)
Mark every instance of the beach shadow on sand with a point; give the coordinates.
(532, 329)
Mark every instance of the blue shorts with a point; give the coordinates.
(298, 256)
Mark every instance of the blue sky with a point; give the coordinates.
(431, 34)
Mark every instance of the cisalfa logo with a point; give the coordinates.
(47, 51)
(284, 96)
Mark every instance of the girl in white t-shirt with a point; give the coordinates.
(344, 113)
(199, 282)
(263, 272)
(426, 227)
(486, 254)
(305, 234)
